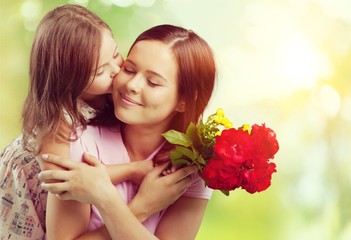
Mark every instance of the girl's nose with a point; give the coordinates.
(115, 69)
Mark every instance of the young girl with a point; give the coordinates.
(73, 61)
(152, 94)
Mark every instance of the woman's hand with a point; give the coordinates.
(90, 183)
(85, 182)
(157, 192)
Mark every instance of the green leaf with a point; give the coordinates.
(177, 138)
(225, 192)
(194, 134)
(186, 152)
(174, 154)
(201, 160)
(180, 162)
(191, 129)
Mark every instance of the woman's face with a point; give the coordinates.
(145, 91)
(110, 62)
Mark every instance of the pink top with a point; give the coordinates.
(108, 147)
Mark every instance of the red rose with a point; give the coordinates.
(234, 145)
(257, 179)
(264, 141)
(221, 174)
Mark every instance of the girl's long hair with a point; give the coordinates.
(63, 57)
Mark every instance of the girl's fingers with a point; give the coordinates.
(66, 163)
(157, 171)
(182, 173)
(48, 175)
(90, 159)
(55, 188)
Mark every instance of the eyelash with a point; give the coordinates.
(130, 72)
(116, 56)
(100, 73)
(152, 84)
(127, 71)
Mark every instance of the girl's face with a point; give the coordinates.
(110, 62)
(145, 91)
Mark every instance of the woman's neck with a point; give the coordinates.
(141, 141)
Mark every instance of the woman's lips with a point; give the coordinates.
(128, 100)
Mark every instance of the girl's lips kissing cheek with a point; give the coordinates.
(128, 101)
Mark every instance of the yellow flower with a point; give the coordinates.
(228, 124)
(220, 112)
(217, 119)
(218, 133)
(247, 127)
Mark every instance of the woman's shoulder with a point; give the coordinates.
(98, 141)
(103, 129)
(98, 133)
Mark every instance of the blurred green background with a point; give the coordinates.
(283, 62)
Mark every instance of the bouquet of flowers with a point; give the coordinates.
(227, 157)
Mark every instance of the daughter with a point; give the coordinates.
(72, 63)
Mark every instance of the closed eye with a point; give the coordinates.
(100, 72)
(152, 84)
(128, 70)
(116, 55)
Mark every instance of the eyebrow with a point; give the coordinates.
(113, 54)
(148, 71)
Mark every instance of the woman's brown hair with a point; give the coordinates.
(64, 55)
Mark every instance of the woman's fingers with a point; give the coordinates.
(55, 188)
(48, 175)
(65, 196)
(66, 163)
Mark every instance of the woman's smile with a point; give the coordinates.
(128, 101)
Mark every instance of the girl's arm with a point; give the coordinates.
(66, 213)
(63, 213)
(134, 171)
(99, 191)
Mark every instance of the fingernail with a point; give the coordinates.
(44, 156)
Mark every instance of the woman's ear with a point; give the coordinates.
(181, 106)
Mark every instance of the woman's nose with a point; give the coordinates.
(134, 84)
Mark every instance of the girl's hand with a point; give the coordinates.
(141, 168)
(157, 192)
(85, 182)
